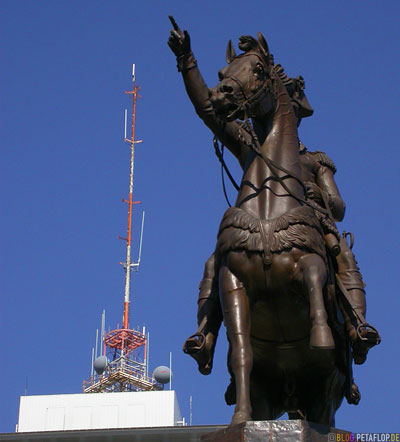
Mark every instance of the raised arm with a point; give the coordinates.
(197, 90)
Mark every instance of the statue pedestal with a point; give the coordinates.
(275, 431)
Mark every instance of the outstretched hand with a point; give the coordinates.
(178, 41)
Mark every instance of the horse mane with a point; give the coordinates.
(288, 82)
(295, 88)
(247, 43)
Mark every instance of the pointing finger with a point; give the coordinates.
(174, 24)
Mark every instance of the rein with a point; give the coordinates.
(272, 165)
(256, 147)
(220, 156)
(245, 106)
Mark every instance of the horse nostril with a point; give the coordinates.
(226, 89)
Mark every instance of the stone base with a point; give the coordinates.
(274, 431)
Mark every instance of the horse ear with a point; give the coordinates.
(230, 52)
(263, 45)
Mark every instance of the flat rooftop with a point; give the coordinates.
(159, 434)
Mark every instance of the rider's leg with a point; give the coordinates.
(313, 269)
(209, 317)
(350, 275)
(208, 302)
(236, 310)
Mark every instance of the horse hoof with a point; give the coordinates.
(321, 337)
(240, 417)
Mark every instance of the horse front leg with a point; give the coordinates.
(236, 311)
(314, 275)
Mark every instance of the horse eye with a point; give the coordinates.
(220, 76)
(259, 69)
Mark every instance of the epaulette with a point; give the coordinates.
(302, 148)
(323, 159)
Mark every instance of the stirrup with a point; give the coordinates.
(194, 344)
(368, 334)
(367, 337)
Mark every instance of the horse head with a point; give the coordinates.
(245, 86)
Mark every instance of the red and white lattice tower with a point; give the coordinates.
(123, 363)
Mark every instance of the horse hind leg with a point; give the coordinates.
(314, 274)
(236, 312)
(327, 394)
(265, 395)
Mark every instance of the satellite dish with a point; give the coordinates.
(162, 374)
(100, 364)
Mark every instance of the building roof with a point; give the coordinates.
(160, 434)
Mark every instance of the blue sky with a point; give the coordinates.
(65, 169)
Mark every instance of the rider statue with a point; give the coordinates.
(317, 173)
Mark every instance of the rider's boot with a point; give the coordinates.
(201, 345)
(362, 335)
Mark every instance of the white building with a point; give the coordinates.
(99, 410)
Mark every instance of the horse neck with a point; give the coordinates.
(281, 145)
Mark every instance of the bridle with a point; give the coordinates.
(273, 167)
(249, 102)
(245, 106)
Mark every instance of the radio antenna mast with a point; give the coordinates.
(128, 265)
(123, 363)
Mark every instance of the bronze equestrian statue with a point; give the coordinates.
(272, 265)
(317, 173)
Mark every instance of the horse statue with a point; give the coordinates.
(286, 353)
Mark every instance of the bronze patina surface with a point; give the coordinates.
(282, 278)
(276, 431)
